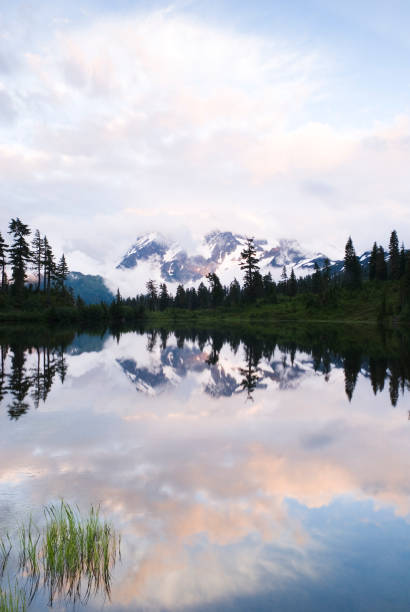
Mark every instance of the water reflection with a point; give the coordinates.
(29, 369)
(23, 385)
(225, 503)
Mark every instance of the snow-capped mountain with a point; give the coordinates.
(218, 252)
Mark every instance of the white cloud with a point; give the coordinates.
(162, 122)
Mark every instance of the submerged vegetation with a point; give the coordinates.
(71, 557)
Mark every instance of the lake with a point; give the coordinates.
(245, 469)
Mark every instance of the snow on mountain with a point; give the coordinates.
(218, 252)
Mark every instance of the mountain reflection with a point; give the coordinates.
(277, 360)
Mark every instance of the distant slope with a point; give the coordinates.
(91, 288)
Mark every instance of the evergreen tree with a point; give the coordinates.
(258, 288)
(152, 294)
(50, 265)
(37, 255)
(326, 273)
(203, 296)
(116, 311)
(283, 284)
(269, 289)
(192, 298)
(19, 253)
(3, 261)
(44, 262)
(216, 289)
(316, 279)
(381, 266)
(372, 262)
(234, 294)
(352, 267)
(249, 263)
(61, 272)
(402, 260)
(292, 284)
(394, 257)
(405, 287)
(164, 298)
(180, 297)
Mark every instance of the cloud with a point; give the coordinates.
(158, 121)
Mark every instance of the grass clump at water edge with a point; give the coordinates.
(71, 556)
(75, 548)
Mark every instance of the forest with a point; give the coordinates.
(378, 290)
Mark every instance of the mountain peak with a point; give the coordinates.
(145, 246)
(219, 252)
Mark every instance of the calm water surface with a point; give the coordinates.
(244, 472)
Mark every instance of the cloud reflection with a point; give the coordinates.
(201, 484)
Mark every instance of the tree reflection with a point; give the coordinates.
(19, 383)
(217, 342)
(250, 372)
(26, 381)
(29, 368)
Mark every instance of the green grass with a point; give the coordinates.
(13, 599)
(71, 556)
(75, 548)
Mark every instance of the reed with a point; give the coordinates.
(13, 599)
(71, 556)
(5, 550)
(29, 547)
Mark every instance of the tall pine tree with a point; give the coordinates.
(394, 257)
(316, 279)
(352, 267)
(152, 294)
(372, 262)
(61, 272)
(3, 262)
(402, 260)
(164, 298)
(381, 266)
(49, 266)
(19, 253)
(216, 289)
(249, 263)
(292, 284)
(37, 255)
(203, 296)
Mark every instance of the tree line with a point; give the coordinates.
(47, 287)
(21, 256)
(324, 282)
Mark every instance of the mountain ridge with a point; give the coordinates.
(218, 252)
(158, 257)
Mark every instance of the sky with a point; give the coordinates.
(272, 119)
